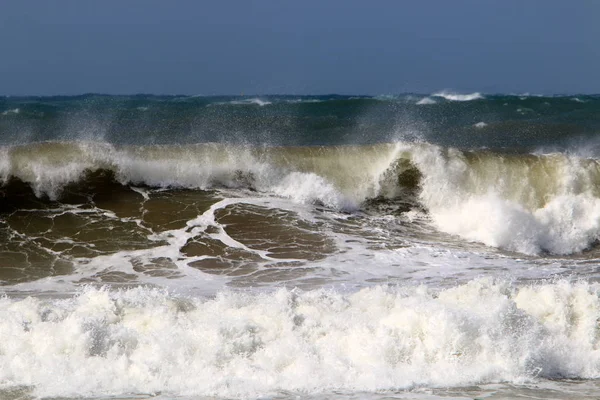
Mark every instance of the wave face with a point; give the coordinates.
(340, 177)
(143, 341)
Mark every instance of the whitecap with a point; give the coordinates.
(255, 100)
(497, 202)
(426, 101)
(13, 111)
(244, 102)
(297, 101)
(457, 96)
(524, 110)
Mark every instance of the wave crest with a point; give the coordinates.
(458, 97)
(524, 203)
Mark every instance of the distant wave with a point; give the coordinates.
(13, 111)
(386, 97)
(524, 110)
(458, 97)
(480, 125)
(254, 100)
(425, 101)
(296, 101)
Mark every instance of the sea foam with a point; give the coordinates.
(546, 205)
(426, 101)
(145, 341)
(458, 97)
(11, 111)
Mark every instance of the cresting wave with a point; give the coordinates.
(145, 341)
(458, 97)
(339, 177)
(519, 202)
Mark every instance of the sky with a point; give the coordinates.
(298, 47)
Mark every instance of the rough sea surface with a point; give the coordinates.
(441, 246)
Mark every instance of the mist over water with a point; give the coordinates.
(274, 246)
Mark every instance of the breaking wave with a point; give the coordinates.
(426, 101)
(12, 111)
(519, 202)
(458, 97)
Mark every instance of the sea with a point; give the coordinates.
(439, 246)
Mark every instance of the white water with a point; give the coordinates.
(104, 343)
(552, 206)
(458, 97)
(426, 101)
(256, 101)
(11, 111)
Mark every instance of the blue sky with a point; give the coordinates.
(302, 47)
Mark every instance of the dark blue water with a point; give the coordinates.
(503, 122)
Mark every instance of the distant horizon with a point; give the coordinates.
(349, 94)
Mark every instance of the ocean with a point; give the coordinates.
(442, 246)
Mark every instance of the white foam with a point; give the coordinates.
(309, 187)
(355, 263)
(5, 165)
(296, 101)
(49, 172)
(524, 111)
(256, 101)
(104, 343)
(426, 101)
(386, 97)
(566, 225)
(502, 204)
(12, 111)
(480, 125)
(458, 97)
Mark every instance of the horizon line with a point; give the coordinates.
(242, 94)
